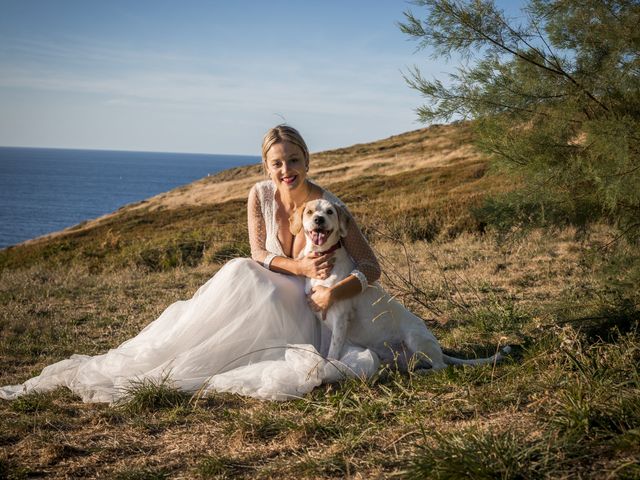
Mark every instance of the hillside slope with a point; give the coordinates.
(564, 405)
(421, 182)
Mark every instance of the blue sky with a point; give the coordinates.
(204, 76)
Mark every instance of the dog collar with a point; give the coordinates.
(334, 248)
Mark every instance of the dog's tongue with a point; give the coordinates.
(318, 237)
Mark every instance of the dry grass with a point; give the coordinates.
(436, 149)
(395, 425)
(563, 406)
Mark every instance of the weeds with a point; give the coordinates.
(222, 468)
(495, 318)
(32, 403)
(230, 251)
(176, 254)
(600, 397)
(150, 395)
(478, 454)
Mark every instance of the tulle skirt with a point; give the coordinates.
(247, 330)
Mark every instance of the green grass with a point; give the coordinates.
(482, 455)
(149, 395)
(223, 468)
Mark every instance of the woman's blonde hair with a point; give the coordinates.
(283, 133)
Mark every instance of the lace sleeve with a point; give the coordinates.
(257, 229)
(360, 252)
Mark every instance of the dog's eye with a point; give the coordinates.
(329, 212)
(308, 212)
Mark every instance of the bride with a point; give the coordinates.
(250, 329)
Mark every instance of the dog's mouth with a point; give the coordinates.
(319, 236)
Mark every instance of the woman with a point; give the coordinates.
(250, 329)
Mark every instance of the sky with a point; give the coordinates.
(205, 76)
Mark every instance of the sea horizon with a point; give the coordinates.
(47, 189)
(118, 150)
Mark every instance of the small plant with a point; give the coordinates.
(150, 395)
(32, 403)
(182, 252)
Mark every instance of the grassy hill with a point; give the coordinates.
(421, 182)
(566, 404)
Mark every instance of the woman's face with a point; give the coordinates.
(286, 165)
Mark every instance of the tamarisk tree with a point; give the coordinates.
(555, 93)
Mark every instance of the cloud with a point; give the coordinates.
(169, 80)
(130, 97)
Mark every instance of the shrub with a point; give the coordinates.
(183, 252)
(230, 251)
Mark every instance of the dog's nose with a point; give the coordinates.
(318, 220)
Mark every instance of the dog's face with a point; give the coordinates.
(323, 223)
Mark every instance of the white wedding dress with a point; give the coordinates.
(248, 330)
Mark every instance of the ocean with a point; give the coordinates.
(43, 190)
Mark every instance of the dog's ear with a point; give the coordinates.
(343, 219)
(295, 220)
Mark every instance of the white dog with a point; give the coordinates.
(361, 318)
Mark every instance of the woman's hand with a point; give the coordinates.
(316, 265)
(320, 299)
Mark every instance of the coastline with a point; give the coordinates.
(47, 192)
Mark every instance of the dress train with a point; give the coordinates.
(247, 330)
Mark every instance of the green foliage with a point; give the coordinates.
(33, 403)
(599, 395)
(476, 454)
(222, 467)
(508, 211)
(149, 395)
(39, 402)
(230, 251)
(182, 252)
(497, 316)
(557, 97)
(588, 409)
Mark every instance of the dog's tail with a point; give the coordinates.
(477, 361)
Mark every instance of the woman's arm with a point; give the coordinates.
(321, 298)
(367, 268)
(310, 266)
(257, 228)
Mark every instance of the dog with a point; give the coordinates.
(388, 330)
